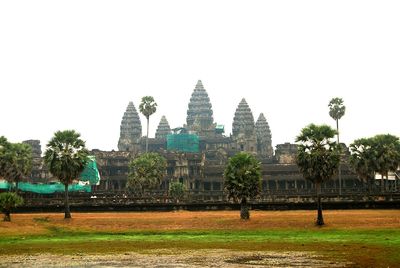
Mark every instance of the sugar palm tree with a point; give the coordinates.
(66, 157)
(147, 107)
(243, 180)
(336, 111)
(318, 158)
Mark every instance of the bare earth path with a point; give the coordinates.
(199, 258)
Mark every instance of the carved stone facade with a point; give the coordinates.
(286, 153)
(39, 171)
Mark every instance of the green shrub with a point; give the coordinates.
(177, 190)
(8, 201)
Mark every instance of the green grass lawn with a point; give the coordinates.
(390, 237)
(371, 247)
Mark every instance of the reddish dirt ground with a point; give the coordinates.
(185, 220)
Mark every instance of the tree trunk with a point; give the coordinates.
(339, 168)
(387, 182)
(369, 185)
(147, 136)
(320, 219)
(16, 187)
(244, 210)
(7, 216)
(67, 211)
(382, 184)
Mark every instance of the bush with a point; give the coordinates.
(177, 190)
(8, 201)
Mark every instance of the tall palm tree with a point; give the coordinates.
(66, 157)
(147, 107)
(318, 158)
(243, 180)
(336, 111)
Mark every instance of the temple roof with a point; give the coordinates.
(163, 128)
(199, 109)
(243, 121)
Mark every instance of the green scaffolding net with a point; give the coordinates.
(183, 142)
(89, 176)
(90, 173)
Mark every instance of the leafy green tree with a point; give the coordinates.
(387, 154)
(363, 159)
(318, 158)
(5, 156)
(337, 111)
(23, 162)
(177, 190)
(15, 161)
(146, 172)
(8, 201)
(147, 107)
(243, 180)
(66, 157)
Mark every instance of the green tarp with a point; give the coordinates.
(183, 142)
(52, 188)
(90, 175)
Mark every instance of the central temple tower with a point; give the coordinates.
(199, 114)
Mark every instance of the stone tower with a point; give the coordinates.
(36, 154)
(163, 129)
(131, 129)
(264, 140)
(243, 131)
(199, 114)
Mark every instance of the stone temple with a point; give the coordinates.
(246, 134)
(198, 151)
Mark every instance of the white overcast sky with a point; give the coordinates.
(77, 64)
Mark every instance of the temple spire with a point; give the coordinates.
(243, 121)
(264, 140)
(163, 128)
(131, 128)
(199, 114)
